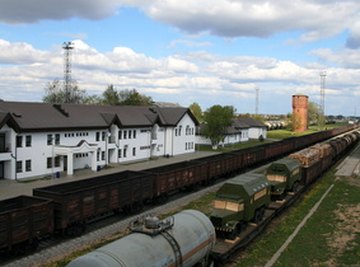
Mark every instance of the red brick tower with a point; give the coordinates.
(300, 112)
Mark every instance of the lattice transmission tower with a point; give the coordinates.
(322, 98)
(68, 47)
(257, 101)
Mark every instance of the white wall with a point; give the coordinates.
(255, 132)
(184, 142)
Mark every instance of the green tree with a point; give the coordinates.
(313, 113)
(134, 98)
(196, 110)
(110, 96)
(217, 118)
(55, 94)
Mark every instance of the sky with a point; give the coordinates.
(205, 51)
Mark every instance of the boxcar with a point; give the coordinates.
(250, 156)
(23, 221)
(177, 176)
(78, 201)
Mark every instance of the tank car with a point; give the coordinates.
(238, 201)
(185, 239)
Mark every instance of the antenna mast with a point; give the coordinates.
(257, 101)
(68, 47)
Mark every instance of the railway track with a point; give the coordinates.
(56, 249)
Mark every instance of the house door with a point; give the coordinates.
(2, 142)
(65, 163)
(1, 170)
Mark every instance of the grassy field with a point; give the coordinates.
(331, 237)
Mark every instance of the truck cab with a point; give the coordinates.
(283, 175)
(238, 201)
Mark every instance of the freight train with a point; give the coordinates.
(67, 208)
(188, 238)
(243, 199)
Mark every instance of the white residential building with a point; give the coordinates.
(241, 130)
(38, 139)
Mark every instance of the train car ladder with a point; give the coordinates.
(176, 248)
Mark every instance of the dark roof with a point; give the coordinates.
(42, 116)
(172, 116)
(251, 122)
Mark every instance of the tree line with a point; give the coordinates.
(55, 94)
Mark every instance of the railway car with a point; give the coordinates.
(240, 200)
(178, 176)
(24, 220)
(186, 239)
(284, 175)
(220, 165)
(79, 201)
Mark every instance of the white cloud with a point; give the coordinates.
(202, 77)
(227, 18)
(259, 18)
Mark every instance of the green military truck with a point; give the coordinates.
(283, 175)
(238, 201)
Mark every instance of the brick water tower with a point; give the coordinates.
(300, 112)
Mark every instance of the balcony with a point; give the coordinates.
(5, 155)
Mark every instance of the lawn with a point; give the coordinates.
(331, 236)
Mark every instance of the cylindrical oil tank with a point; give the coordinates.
(188, 242)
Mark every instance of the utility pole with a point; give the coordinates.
(322, 99)
(68, 47)
(257, 101)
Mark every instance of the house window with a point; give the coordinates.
(19, 166)
(119, 154)
(49, 139)
(28, 165)
(97, 136)
(103, 136)
(57, 139)
(134, 134)
(125, 134)
(19, 141)
(125, 150)
(129, 134)
(102, 155)
(120, 134)
(57, 161)
(176, 132)
(134, 151)
(49, 163)
(180, 130)
(97, 156)
(186, 146)
(28, 140)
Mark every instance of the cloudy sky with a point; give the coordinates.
(205, 51)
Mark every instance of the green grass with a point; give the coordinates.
(286, 133)
(312, 246)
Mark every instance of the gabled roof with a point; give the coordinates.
(41, 116)
(251, 122)
(172, 116)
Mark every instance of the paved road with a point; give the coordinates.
(350, 165)
(11, 188)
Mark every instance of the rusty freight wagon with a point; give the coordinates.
(24, 220)
(77, 202)
(220, 165)
(177, 176)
